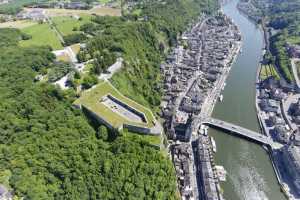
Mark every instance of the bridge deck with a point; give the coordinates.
(243, 132)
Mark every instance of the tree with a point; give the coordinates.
(102, 133)
(89, 81)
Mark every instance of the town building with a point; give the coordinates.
(293, 50)
(281, 134)
(268, 105)
(4, 193)
(36, 14)
(291, 156)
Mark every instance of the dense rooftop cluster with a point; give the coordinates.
(191, 71)
(193, 77)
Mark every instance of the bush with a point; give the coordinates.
(58, 71)
(74, 38)
(89, 81)
(26, 36)
(102, 133)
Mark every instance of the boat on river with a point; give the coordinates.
(213, 143)
(221, 98)
(221, 172)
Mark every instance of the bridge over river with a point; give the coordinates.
(241, 132)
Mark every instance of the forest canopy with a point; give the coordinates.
(52, 152)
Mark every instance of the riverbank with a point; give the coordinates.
(262, 115)
(194, 78)
(247, 164)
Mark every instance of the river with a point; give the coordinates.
(250, 173)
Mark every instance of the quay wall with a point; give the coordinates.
(276, 169)
(268, 148)
(270, 151)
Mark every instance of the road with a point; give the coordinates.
(60, 37)
(209, 103)
(243, 132)
(295, 71)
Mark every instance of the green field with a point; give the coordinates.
(91, 100)
(19, 24)
(267, 71)
(42, 34)
(66, 24)
(104, 1)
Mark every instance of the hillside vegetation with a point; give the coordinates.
(143, 42)
(51, 151)
(283, 17)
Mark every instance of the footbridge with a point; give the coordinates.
(242, 132)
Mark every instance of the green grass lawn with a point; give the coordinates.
(66, 24)
(91, 100)
(268, 70)
(104, 1)
(121, 81)
(137, 12)
(41, 34)
(88, 67)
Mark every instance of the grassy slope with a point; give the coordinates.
(141, 79)
(152, 139)
(268, 70)
(41, 34)
(65, 24)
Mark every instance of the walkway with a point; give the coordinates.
(59, 35)
(112, 69)
(295, 71)
(285, 106)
